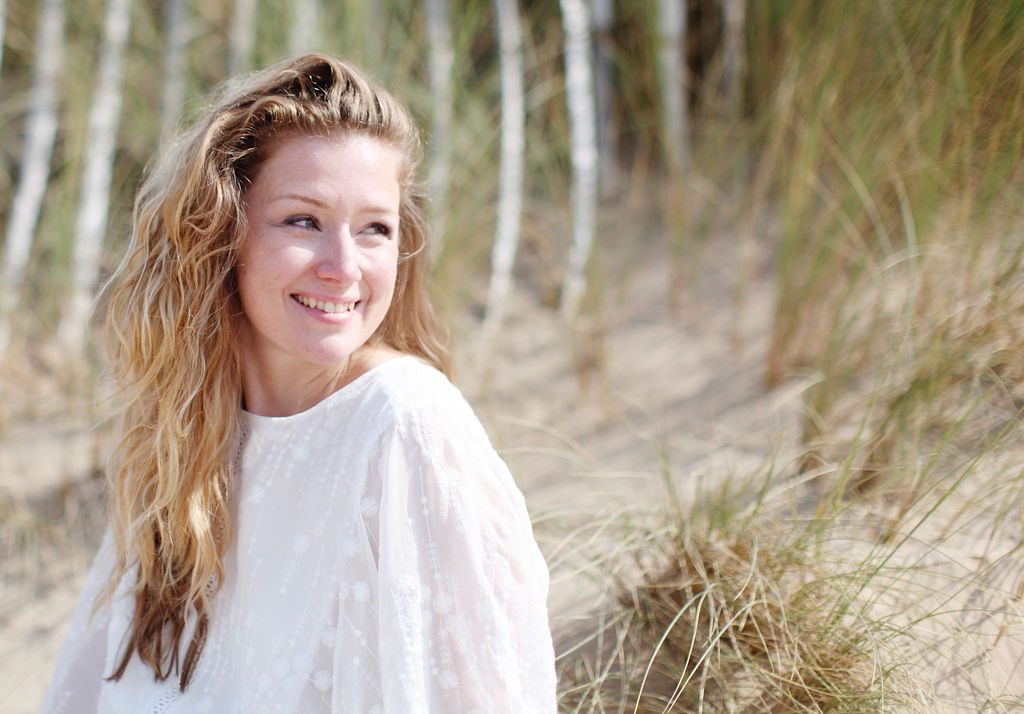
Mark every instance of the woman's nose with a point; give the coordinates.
(339, 260)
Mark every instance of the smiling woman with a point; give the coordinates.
(316, 272)
(306, 514)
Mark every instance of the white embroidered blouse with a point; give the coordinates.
(383, 561)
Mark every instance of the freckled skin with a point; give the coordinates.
(323, 216)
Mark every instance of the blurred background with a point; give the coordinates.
(736, 286)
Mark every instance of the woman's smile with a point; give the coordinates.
(329, 306)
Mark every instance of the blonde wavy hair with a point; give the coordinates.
(173, 317)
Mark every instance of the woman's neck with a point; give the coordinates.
(276, 394)
(276, 391)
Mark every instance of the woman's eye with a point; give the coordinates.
(380, 229)
(302, 222)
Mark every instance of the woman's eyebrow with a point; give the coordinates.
(300, 197)
(320, 203)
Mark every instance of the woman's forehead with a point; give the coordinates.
(269, 150)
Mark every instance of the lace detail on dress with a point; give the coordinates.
(164, 702)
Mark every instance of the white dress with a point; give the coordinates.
(383, 561)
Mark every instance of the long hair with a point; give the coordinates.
(173, 335)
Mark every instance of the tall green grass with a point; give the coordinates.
(895, 132)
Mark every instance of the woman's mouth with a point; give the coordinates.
(332, 308)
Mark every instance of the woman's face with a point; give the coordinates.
(316, 270)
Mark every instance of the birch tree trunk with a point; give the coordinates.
(674, 135)
(243, 35)
(672, 61)
(513, 146)
(734, 12)
(305, 30)
(91, 221)
(176, 36)
(40, 133)
(602, 20)
(580, 97)
(441, 61)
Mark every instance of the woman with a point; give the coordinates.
(307, 516)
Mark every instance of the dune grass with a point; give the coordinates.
(738, 616)
(790, 591)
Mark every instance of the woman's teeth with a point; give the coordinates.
(331, 307)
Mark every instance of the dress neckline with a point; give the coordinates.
(258, 422)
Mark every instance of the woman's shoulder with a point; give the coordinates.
(409, 386)
(417, 404)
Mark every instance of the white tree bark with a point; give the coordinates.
(733, 66)
(602, 19)
(441, 59)
(672, 61)
(513, 147)
(176, 37)
(243, 35)
(305, 30)
(94, 200)
(37, 150)
(580, 97)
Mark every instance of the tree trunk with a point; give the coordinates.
(513, 146)
(94, 201)
(602, 20)
(734, 12)
(305, 31)
(243, 35)
(580, 97)
(672, 61)
(441, 60)
(675, 140)
(41, 130)
(176, 36)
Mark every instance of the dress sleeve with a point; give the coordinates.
(78, 674)
(462, 585)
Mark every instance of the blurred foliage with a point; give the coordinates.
(388, 39)
(873, 138)
(893, 153)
